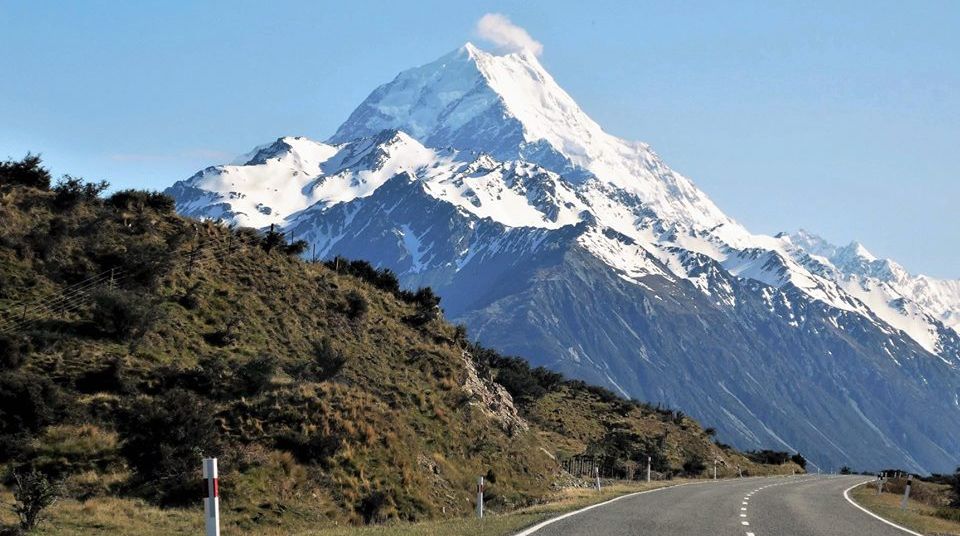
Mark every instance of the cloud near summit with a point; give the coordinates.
(499, 30)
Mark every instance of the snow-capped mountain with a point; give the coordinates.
(478, 175)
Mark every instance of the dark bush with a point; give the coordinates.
(13, 351)
(297, 247)
(70, 191)
(326, 362)
(27, 172)
(769, 457)
(694, 465)
(313, 448)
(120, 314)
(110, 378)
(164, 439)
(255, 375)
(140, 199)
(799, 460)
(28, 402)
(383, 279)
(356, 305)
(375, 507)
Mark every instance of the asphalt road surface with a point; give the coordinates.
(805, 505)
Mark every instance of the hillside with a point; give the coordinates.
(478, 175)
(134, 341)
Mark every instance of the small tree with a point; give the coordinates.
(33, 493)
(26, 172)
(799, 460)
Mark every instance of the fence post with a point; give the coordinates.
(648, 468)
(211, 505)
(597, 472)
(906, 493)
(480, 497)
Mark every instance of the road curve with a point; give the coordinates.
(805, 505)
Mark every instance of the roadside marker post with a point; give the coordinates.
(879, 483)
(596, 471)
(906, 493)
(480, 497)
(211, 505)
(715, 469)
(739, 471)
(648, 468)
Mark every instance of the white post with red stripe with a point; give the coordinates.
(211, 505)
(480, 497)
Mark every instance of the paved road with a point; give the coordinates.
(781, 506)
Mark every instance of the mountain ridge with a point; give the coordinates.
(494, 189)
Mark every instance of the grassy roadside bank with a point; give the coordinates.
(918, 516)
(121, 516)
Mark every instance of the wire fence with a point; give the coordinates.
(72, 298)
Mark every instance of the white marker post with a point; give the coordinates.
(906, 493)
(879, 483)
(211, 505)
(739, 471)
(596, 470)
(714, 469)
(648, 468)
(480, 497)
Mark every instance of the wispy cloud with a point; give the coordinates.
(499, 30)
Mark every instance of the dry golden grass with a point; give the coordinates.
(918, 516)
(122, 517)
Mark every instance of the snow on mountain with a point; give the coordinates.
(498, 138)
(917, 304)
(478, 175)
(510, 107)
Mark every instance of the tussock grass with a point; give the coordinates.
(919, 516)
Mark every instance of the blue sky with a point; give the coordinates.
(839, 117)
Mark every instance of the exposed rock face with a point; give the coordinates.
(492, 399)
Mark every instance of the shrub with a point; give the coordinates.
(297, 247)
(376, 507)
(326, 362)
(13, 350)
(799, 460)
(255, 375)
(27, 172)
(383, 279)
(120, 314)
(356, 305)
(769, 457)
(71, 191)
(28, 402)
(315, 448)
(110, 378)
(33, 493)
(139, 199)
(694, 465)
(164, 440)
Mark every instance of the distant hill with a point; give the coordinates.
(134, 341)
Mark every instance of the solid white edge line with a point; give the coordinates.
(846, 495)
(553, 520)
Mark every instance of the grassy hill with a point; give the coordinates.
(134, 341)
